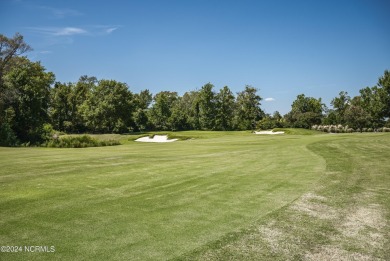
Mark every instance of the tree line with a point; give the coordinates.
(32, 103)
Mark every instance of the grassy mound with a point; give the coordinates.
(298, 131)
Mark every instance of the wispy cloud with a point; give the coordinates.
(103, 29)
(110, 30)
(69, 31)
(269, 99)
(59, 31)
(60, 13)
(67, 35)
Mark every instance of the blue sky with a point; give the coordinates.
(283, 48)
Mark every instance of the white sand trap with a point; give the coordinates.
(156, 138)
(269, 132)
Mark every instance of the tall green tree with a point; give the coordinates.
(9, 49)
(141, 120)
(143, 99)
(31, 85)
(207, 107)
(340, 104)
(331, 117)
(225, 109)
(109, 108)
(370, 100)
(142, 102)
(384, 86)
(60, 106)
(179, 119)
(305, 112)
(270, 121)
(356, 116)
(248, 108)
(190, 106)
(80, 93)
(161, 110)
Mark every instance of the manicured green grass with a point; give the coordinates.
(292, 131)
(202, 198)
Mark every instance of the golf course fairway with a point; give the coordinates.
(218, 196)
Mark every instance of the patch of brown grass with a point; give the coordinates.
(314, 205)
(332, 253)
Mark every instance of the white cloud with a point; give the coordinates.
(58, 31)
(110, 30)
(69, 31)
(269, 99)
(61, 13)
(94, 30)
(68, 35)
(103, 29)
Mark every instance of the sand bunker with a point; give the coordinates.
(269, 132)
(156, 138)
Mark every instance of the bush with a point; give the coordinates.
(79, 142)
(346, 129)
(47, 132)
(7, 136)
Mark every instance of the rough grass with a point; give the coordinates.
(345, 217)
(220, 196)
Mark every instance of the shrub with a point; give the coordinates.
(47, 132)
(7, 136)
(346, 129)
(79, 142)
